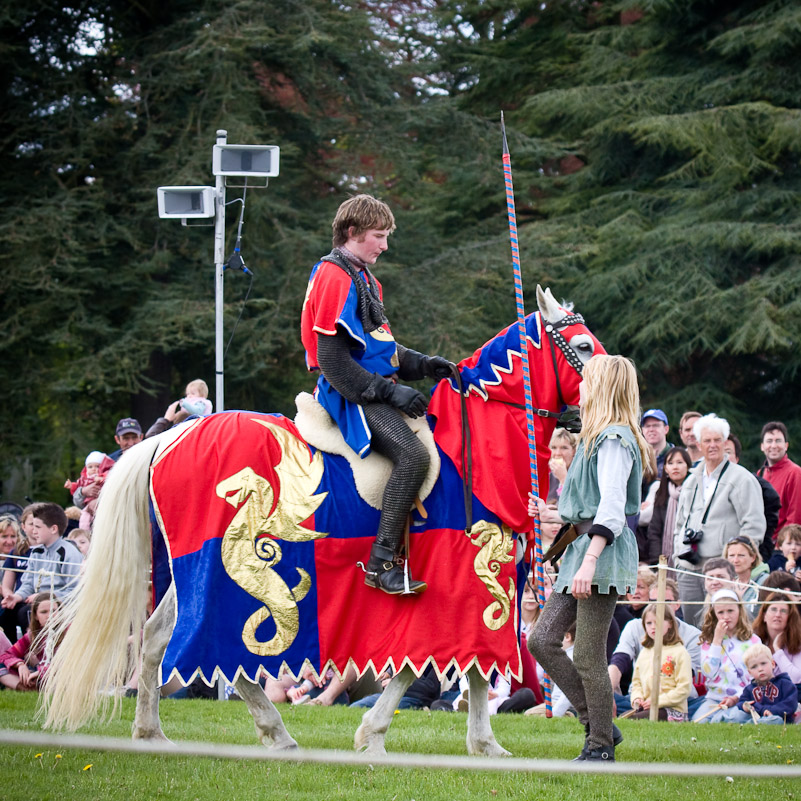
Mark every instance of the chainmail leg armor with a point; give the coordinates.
(395, 440)
(390, 436)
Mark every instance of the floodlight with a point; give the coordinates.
(184, 202)
(246, 161)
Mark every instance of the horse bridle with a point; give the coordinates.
(568, 418)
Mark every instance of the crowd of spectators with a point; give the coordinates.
(731, 645)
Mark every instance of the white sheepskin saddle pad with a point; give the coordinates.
(371, 473)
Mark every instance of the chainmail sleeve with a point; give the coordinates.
(344, 374)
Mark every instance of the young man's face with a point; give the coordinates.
(712, 580)
(369, 245)
(46, 535)
(774, 446)
(686, 432)
(761, 669)
(655, 433)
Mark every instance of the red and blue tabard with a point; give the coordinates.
(331, 301)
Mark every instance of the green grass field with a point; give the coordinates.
(130, 777)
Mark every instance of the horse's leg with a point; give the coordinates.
(267, 719)
(370, 735)
(480, 739)
(157, 633)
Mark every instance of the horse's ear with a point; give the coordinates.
(549, 308)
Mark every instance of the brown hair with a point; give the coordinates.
(362, 213)
(792, 531)
(775, 425)
(672, 637)
(51, 514)
(742, 631)
(35, 628)
(792, 631)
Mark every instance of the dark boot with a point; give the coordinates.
(601, 754)
(617, 739)
(384, 573)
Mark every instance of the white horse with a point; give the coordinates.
(98, 625)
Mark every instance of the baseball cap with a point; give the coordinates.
(128, 426)
(657, 413)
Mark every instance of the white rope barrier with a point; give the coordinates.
(369, 761)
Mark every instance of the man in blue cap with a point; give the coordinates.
(655, 430)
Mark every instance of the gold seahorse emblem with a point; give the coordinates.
(496, 547)
(250, 547)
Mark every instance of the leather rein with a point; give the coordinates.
(569, 418)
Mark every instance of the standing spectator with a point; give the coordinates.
(784, 474)
(53, 565)
(666, 502)
(770, 499)
(718, 501)
(127, 434)
(788, 551)
(687, 435)
(655, 429)
(563, 449)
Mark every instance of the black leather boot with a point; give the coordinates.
(617, 739)
(385, 574)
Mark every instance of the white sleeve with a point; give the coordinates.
(614, 466)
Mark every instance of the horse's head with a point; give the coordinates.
(566, 333)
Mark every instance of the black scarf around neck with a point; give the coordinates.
(371, 309)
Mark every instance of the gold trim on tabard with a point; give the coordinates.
(496, 546)
(250, 547)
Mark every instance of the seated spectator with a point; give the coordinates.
(22, 665)
(788, 550)
(750, 569)
(778, 625)
(725, 636)
(327, 690)
(53, 565)
(94, 472)
(719, 574)
(196, 402)
(666, 501)
(82, 540)
(770, 696)
(780, 580)
(629, 645)
(638, 600)
(563, 448)
(14, 566)
(675, 683)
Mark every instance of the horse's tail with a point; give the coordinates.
(97, 632)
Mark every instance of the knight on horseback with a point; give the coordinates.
(348, 340)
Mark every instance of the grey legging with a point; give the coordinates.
(585, 680)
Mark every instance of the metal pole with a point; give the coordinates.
(656, 676)
(219, 267)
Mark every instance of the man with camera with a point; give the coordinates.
(719, 500)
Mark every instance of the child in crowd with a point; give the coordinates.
(774, 698)
(96, 467)
(82, 538)
(788, 550)
(22, 666)
(197, 398)
(725, 637)
(676, 671)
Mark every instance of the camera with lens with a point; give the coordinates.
(691, 538)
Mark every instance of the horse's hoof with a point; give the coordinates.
(284, 745)
(487, 750)
(368, 742)
(153, 736)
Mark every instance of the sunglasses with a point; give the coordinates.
(742, 541)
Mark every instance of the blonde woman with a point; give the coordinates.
(601, 488)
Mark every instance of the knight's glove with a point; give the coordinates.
(438, 367)
(414, 365)
(407, 399)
